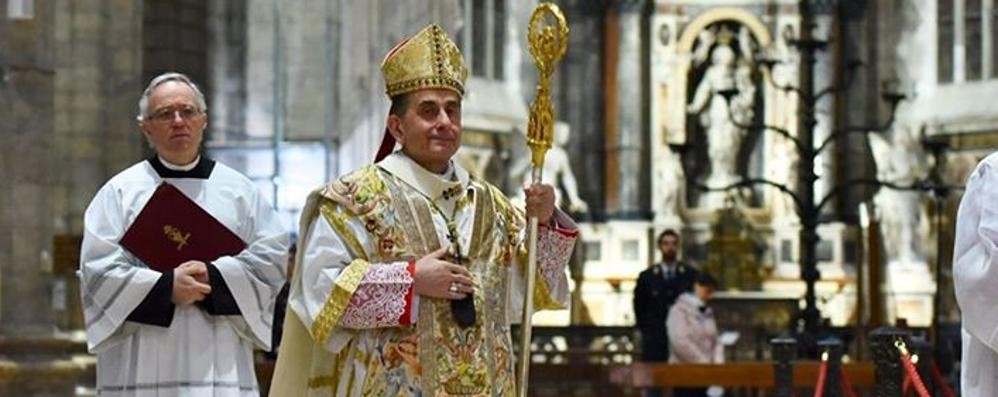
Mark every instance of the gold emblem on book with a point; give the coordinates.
(176, 235)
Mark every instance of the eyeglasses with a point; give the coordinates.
(166, 115)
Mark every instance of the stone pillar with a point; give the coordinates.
(868, 34)
(261, 84)
(824, 72)
(226, 60)
(626, 139)
(305, 25)
(784, 353)
(175, 38)
(888, 373)
(98, 80)
(33, 361)
(28, 173)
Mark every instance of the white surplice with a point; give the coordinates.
(975, 276)
(198, 354)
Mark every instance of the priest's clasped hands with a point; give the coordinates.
(190, 283)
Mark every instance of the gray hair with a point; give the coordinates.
(163, 78)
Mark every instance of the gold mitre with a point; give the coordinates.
(427, 60)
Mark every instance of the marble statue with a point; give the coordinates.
(723, 118)
(557, 171)
(904, 223)
(671, 183)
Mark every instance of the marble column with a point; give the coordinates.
(97, 83)
(226, 60)
(627, 157)
(824, 72)
(261, 84)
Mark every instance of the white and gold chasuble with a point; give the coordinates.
(354, 327)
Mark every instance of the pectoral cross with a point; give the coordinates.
(463, 310)
(451, 192)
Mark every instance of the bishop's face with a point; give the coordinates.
(430, 129)
(175, 123)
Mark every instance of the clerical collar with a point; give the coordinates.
(197, 169)
(174, 167)
(448, 174)
(435, 186)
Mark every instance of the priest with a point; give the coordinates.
(412, 269)
(189, 331)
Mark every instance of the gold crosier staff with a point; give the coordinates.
(547, 36)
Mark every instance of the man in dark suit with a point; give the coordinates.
(656, 291)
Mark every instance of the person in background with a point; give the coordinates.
(657, 288)
(693, 336)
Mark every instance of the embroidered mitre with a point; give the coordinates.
(428, 59)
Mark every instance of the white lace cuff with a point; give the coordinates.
(381, 299)
(554, 249)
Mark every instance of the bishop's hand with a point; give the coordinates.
(436, 277)
(540, 202)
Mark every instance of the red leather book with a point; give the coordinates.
(172, 229)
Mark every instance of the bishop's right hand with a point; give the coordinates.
(190, 283)
(436, 277)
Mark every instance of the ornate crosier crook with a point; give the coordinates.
(547, 36)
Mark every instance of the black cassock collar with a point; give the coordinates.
(201, 171)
